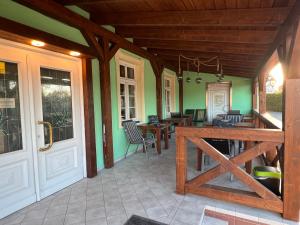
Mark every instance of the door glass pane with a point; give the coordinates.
(10, 116)
(57, 103)
(130, 73)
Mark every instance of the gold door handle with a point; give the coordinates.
(50, 136)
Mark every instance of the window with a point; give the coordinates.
(127, 92)
(130, 87)
(169, 85)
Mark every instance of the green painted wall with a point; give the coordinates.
(194, 95)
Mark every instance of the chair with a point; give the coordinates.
(176, 114)
(190, 112)
(153, 119)
(200, 115)
(135, 136)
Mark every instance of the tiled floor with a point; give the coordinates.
(134, 186)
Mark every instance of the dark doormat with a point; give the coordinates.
(138, 220)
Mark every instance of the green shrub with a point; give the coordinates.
(274, 102)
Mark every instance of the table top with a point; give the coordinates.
(153, 126)
(245, 125)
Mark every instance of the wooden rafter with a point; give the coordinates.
(228, 17)
(281, 34)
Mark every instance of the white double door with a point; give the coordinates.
(38, 86)
(218, 99)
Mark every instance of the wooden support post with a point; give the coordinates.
(105, 88)
(90, 142)
(104, 54)
(158, 69)
(291, 185)
(181, 164)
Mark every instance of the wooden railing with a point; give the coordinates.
(266, 121)
(263, 140)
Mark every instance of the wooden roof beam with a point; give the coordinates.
(290, 20)
(235, 48)
(85, 2)
(228, 17)
(224, 62)
(212, 35)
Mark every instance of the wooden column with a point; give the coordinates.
(158, 69)
(291, 186)
(181, 164)
(180, 84)
(104, 54)
(106, 109)
(90, 142)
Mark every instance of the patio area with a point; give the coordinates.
(136, 186)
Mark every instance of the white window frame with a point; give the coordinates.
(126, 82)
(137, 64)
(171, 89)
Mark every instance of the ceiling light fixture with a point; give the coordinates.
(74, 53)
(196, 62)
(37, 43)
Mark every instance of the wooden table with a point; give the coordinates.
(181, 121)
(157, 131)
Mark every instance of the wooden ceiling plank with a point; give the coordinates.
(232, 56)
(237, 36)
(234, 17)
(203, 46)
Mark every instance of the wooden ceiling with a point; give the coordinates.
(240, 32)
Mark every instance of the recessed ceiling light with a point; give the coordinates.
(37, 43)
(73, 53)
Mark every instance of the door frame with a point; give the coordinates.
(229, 83)
(24, 47)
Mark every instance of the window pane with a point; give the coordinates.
(123, 103)
(132, 113)
(131, 89)
(167, 83)
(122, 89)
(123, 114)
(57, 103)
(131, 101)
(10, 117)
(130, 73)
(122, 71)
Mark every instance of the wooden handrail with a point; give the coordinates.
(267, 120)
(243, 134)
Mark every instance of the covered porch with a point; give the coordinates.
(74, 72)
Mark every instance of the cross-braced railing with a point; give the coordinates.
(262, 140)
